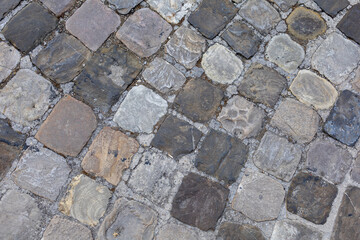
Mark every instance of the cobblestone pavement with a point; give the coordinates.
(180, 119)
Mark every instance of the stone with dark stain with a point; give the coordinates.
(199, 202)
(242, 39)
(310, 197)
(343, 123)
(228, 156)
(6, 6)
(29, 26)
(11, 143)
(332, 7)
(176, 137)
(349, 24)
(199, 100)
(212, 16)
(232, 231)
(62, 59)
(106, 75)
(348, 217)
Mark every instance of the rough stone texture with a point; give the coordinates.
(61, 228)
(176, 137)
(144, 32)
(355, 172)
(163, 76)
(336, 58)
(259, 197)
(172, 11)
(9, 59)
(128, 220)
(285, 4)
(26, 97)
(20, 216)
(296, 120)
(106, 75)
(221, 65)
(153, 177)
(348, 218)
(277, 156)
(92, 23)
(176, 232)
(58, 7)
(285, 53)
(262, 85)
(68, 127)
(328, 160)
(332, 7)
(242, 39)
(11, 143)
(29, 26)
(199, 202)
(311, 89)
(141, 110)
(305, 24)
(260, 14)
(343, 123)
(310, 197)
(349, 25)
(85, 200)
(42, 172)
(287, 229)
(212, 16)
(228, 156)
(199, 100)
(356, 81)
(231, 231)
(241, 118)
(109, 155)
(63, 58)
(186, 46)
(7, 5)
(124, 6)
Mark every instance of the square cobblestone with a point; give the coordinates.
(9, 59)
(349, 23)
(332, 7)
(58, 7)
(7, 5)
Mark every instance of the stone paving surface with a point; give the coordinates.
(180, 119)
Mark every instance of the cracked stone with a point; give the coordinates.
(231, 231)
(228, 156)
(26, 97)
(241, 118)
(311, 89)
(128, 220)
(109, 155)
(153, 177)
(93, 23)
(285, 53)
(58, 7)
(85, 200)
(349, 23)
(328, 160)
(212, 16)
(287, 229)
(277, 156)
(7, 6)
(163, 76)
(106, 76)
(176, 137)
(343, 123)
(262, 85)
(199, 100)
(9, 59)
(332, 7)
(261, 14)
(336, 57)
(141, 110)
(242, 39)
(172, 11)
(176, 232)
(68, 127)
(42, 172)
(20, 216)
(60, 228)
(144, 32)
(186, 46)
(124, 6)
(285, 5)
(310, 197)
(62, 59)
(297, 120)
(221, 65)
(199, 202)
